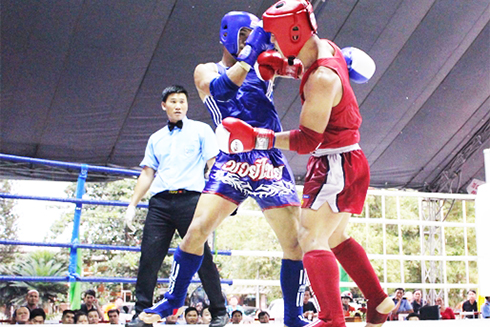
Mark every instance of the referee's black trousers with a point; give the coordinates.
(167, 213)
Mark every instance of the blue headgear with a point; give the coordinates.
(231, 24)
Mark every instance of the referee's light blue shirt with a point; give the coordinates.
(179, 156)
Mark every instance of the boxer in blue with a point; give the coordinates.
(232, 88)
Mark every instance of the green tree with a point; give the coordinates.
(38, 263)
(8, 224)
(100, 224)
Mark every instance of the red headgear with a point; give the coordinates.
(292, 22)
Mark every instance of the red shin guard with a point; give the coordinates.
(354, 260)
(323, 273)
(374, 317)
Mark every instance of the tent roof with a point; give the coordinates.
(81, 81)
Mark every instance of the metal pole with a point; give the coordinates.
(486, 159)
(482, 213)
(73, 269)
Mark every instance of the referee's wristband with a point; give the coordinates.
(244, 65)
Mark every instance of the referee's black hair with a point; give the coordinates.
(173, 89)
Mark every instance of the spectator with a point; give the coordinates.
(485, 309)
(81, 317)
(309, 309)
(363, 309)
(417, 302)
(458, 308)
(199, 306)
(32, 299)
(346, 298)
(113, 315)
(236, 317)
(446, 312)
(409, 296)
(20, 316)
(91, 302)
(191, 316)
(93, 316)
(171, 320)
(119, 303)
(233, 306)
(264, 317)
(37, 317)
(413, 316)
(205, 316)
(68, 317)
(471, 305)
(401, 304)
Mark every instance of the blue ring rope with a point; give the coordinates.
(70, 200)
(74, 245)
(62, 279)
(91, 246)
(70, 165)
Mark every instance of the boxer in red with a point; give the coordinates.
(337, 173)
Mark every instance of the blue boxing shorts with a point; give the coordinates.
(264, 175)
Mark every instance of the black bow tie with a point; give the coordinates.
(171, 125)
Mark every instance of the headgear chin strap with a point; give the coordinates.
(292, 22)
(231, 24)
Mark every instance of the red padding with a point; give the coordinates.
(304, 140)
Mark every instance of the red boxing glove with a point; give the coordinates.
(236, 136)
(271, 63)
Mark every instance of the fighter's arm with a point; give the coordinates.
(322, 92)
(204, 74)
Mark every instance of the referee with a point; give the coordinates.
(173, 171)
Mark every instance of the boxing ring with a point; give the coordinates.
(73, 276)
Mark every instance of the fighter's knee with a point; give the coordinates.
(336, 239)
(197, 233)
(303, 236)
(292, 250)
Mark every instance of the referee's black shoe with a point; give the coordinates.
(219, 320)
(137, 322)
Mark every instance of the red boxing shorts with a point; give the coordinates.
(339, 177)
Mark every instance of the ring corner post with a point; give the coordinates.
(75, 267)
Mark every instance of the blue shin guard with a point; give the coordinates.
(184, 267)
(293, 283)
